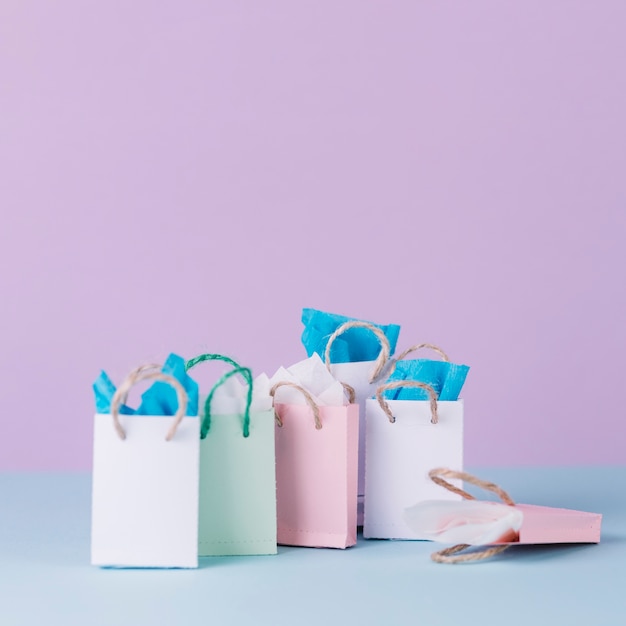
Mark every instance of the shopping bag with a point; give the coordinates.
(404, 440)
(316, 472)
(237, 474)
(471, 522)
(362, 377)
(145, 483)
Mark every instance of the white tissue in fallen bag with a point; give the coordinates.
(473, 522)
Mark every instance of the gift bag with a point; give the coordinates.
(145, 482)
(316, 472)
(404, 440)
(237, 471)
(471, 522)
(362, 377)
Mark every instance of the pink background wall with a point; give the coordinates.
(183, 176)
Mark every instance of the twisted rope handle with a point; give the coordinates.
(351, 393)
(447, 555)
(210, 357)
(139, 370)
(137, 375)
(385, 348)
(407, 383)
(246, 374)
(307, 397)
(417, 348)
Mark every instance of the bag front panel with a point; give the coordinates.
(317, 476)
(398, 458)
(238, 487)
(145, 493)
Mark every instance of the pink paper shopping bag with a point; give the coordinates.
(316, 472)
(472, 523)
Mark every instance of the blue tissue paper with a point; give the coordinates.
(104, 390)
(356, 344)
(159, 399)
(445, 378)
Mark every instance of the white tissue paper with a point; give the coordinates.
(312, 375)
(473, 522)
(230, 397)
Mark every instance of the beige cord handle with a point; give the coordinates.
(447, 555)
(133, 378)
(139, 370)
(438, 475)
(424, 346)
(144, 368)
(385, 348)
(307, 397)
(416, 348)
(350, 392)
(407, 383)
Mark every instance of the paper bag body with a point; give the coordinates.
(399, 457)
(357, 375)
(544, 524)
(316, 476)
(145, 493)
(238, 487)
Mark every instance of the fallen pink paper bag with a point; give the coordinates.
(316, 472)
(475, 522)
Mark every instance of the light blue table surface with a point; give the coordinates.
(45, 576)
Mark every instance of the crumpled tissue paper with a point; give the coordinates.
(473, 522)
(447, 379)
(231, 396)
(355, 345)
(314, 377)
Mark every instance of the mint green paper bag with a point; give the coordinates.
(237, 509)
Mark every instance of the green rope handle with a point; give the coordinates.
(206, 420)
(245, 373)
(209, 357)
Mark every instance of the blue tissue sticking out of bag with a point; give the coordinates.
(454, 382)
(160, 398)
(356, 344)
(447, 379)
(104, 390)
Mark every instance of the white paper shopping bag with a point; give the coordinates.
(362, 377)
(145, 484)
(404, 440)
